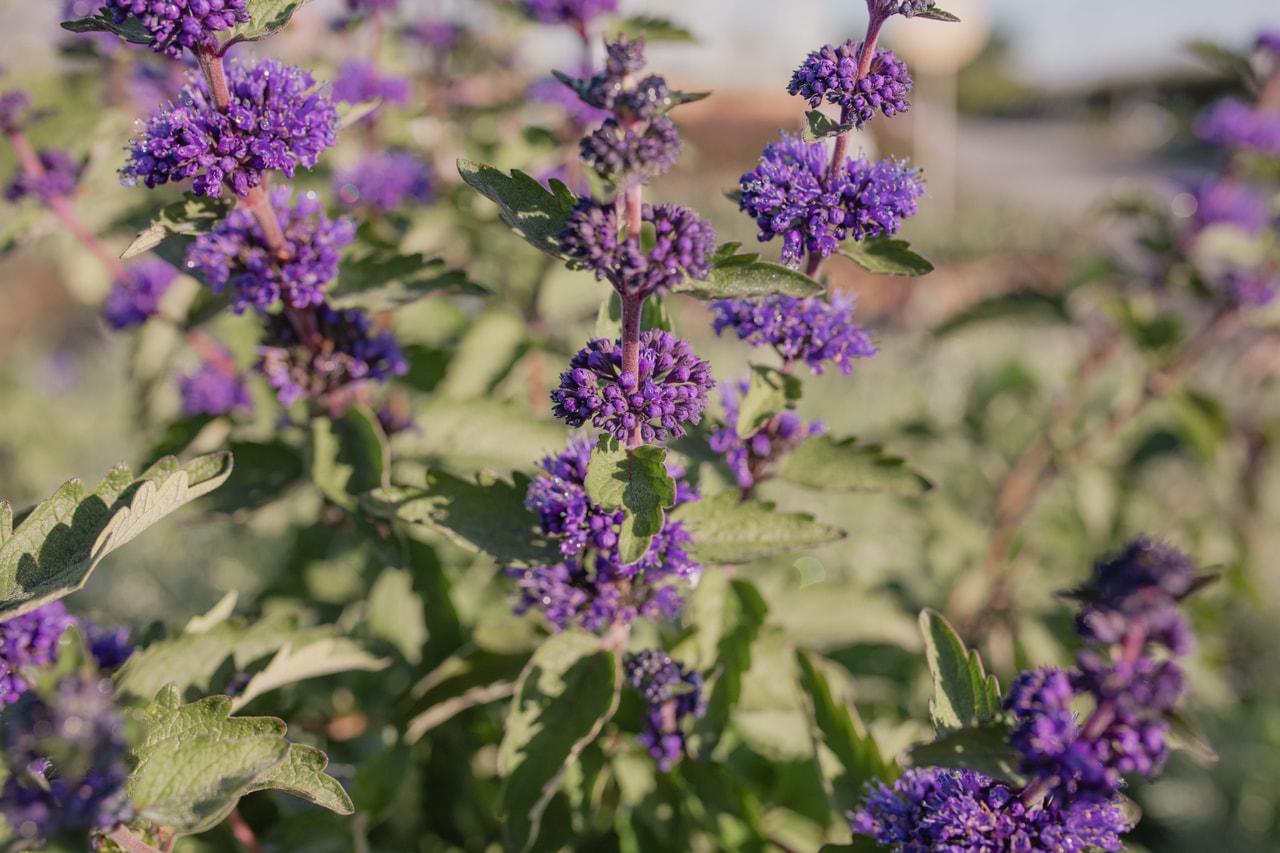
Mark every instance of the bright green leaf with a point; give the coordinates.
(741, 276)
(822, 462)
(818, 127)
(302, 774)
(191, 215)
(528, 208)
(727, 532)
(379, 281)
(348, 456)
(485, 354)
(963, 693)
(266, 18)
(324, 656)
(886, 256)
(635, 481)
(771, 391)
(460, 681)
(984, 748)
(395, 613)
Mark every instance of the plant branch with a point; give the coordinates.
(130, 842)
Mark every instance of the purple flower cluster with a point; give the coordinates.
(436, 33)
(359, 80)
(624, 156)
(831, 74)
(669, 392)
(747, 459)
(26, 641)
(934, 810)
(683, 247)
(1227, 202)
(66, 761)
(384, 180)
(671, 694)
(14, 111)
(235, 253)
(807, 329)
(175, 24)
(276, 120)
(1130, 605)
(1236, 124)
(110, 647)
(350, 352)
(789, 194)
(1251, 288)
(213, 389)
(134, 299)
(60, 170)
(576, 12)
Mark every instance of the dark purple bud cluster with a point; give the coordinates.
(682, 248)
(235, 253)
(61, 173)
(66, 760)
(790, 195)
(359, 80)
(669, 392)
(905, 8)
(213, 389)
(808, 329)
(135, 299)
(110, 647)
(1251, 288)
(621, 155)
(28, 642)
(384, 180)
(935, 810)
(746, 459)
(1235, 124)
(15, 112)
(671, 694)
(575, 12)
(175, 24)
(1130, 608)
(831, 74)
(350, 352)
(276, 121)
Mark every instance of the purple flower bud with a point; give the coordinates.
(831, 74)
(359, 80)
(213, 389)
(14, 115)
(576, 12)
(747, 459)
(61, 173)
(624, 156)
(671, 694)
(807, 329)
(1235, 124)
(29, 641)
(175, 24)
(135, 299)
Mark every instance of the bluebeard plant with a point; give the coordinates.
(29, 642)
(671, 695)
(1235, 124)
(576, 12)
(749, 458)
(359, 80)
(809, 329)
(59, 173)
(136, 298)
(175, 24)
(384, 180)
(214, 388)
(831, 74)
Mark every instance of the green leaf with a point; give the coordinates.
(488, 515)
(191, 215)
(742, 276)
(348, 456)
(635, 481)
(770, 392)
(565, 695)
(528, 208)
(195, 761)
(395, 613)
(651, 28)
(818, 127)
(933, 13)
(822, 462)
(381, 281)
(1202, 421)
(886, 256)
(859, 844)
(984, 748)
(1023, 306)
(963, 693)
(324, 656)
(486, 354)
(302, 774)
(839, 727)
(131, 30)
(460, 681)
(266, 18)
(727, 532)
(63, 540)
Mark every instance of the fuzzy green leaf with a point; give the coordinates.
(771, 391)
(565, 695)
(727, 532)
(266, 18)
(379, 281)
(742, 276)
(395, 613)
(1024, 306)
(635, 481)
(488, 515)
(348, 456)
(131, 30)
(324, 656)
(62, 540)
(984, 748)
(302, 774)
(195, 761)
(651, 28)
(963, 693)
(933, 13)
(528, 208)
(460, 681)
(191, 215)
(886, 256)
(822, 462)
(818, 127)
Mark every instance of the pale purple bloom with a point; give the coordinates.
(135, 299)
(671, 695)
(808, 329)
(576, 12)
(359, 80)
(1227, 202)
(1252, 288)
(352, 352)
(213, 389)
(1236, 124)
(61, 173)
(384, 180)
(549, 90)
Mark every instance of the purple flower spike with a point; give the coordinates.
(213, 389)
(625, 157)
(1138, 591)
(135, 299)
(575, 12)
(669, 392)
(235, 254)
(384, 180)
(671, 694)
(61, 173)
(807, 329)
(175, 24)
(830, 74)
(14, 111)
(1227, 202)
(748, 458)
(276, 122)
(1236, 124)
(933, 809)
(359, 80)
(29, 641)
(351, 353)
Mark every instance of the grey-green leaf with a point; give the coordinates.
(768, 394)
(963, 693)
(651, 28)
(741, 276)
(395, 613)
(818, 127)
(191, 215)
(131, 30)
(348, 456)
(63, 539)
(1024, 306)
(488, 515)
(323, 656)
(635, 481)
(886, 256)
(528, 208)
(302, 774)
(266, 18)
(379, 281)
(822, 462)
(565, 695)
(984, 748)
(933, 13)
(727, 532)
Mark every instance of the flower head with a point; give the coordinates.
(213, 389)
(235, 253)
(175, 24)
(134, 299)
(576, 12)
(14, 111)
(275, 121)
(350, 352)
(359, 80)
(669, 392)
(27, 641)
(1251, 288)
(384, 180)
(747, 458)
(1227, 202)
(808, 329)
(1236, 124)
(671, 694)
(831, 74)
(60, 171)
(1138, 591)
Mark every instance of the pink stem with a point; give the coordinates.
(130, 842)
